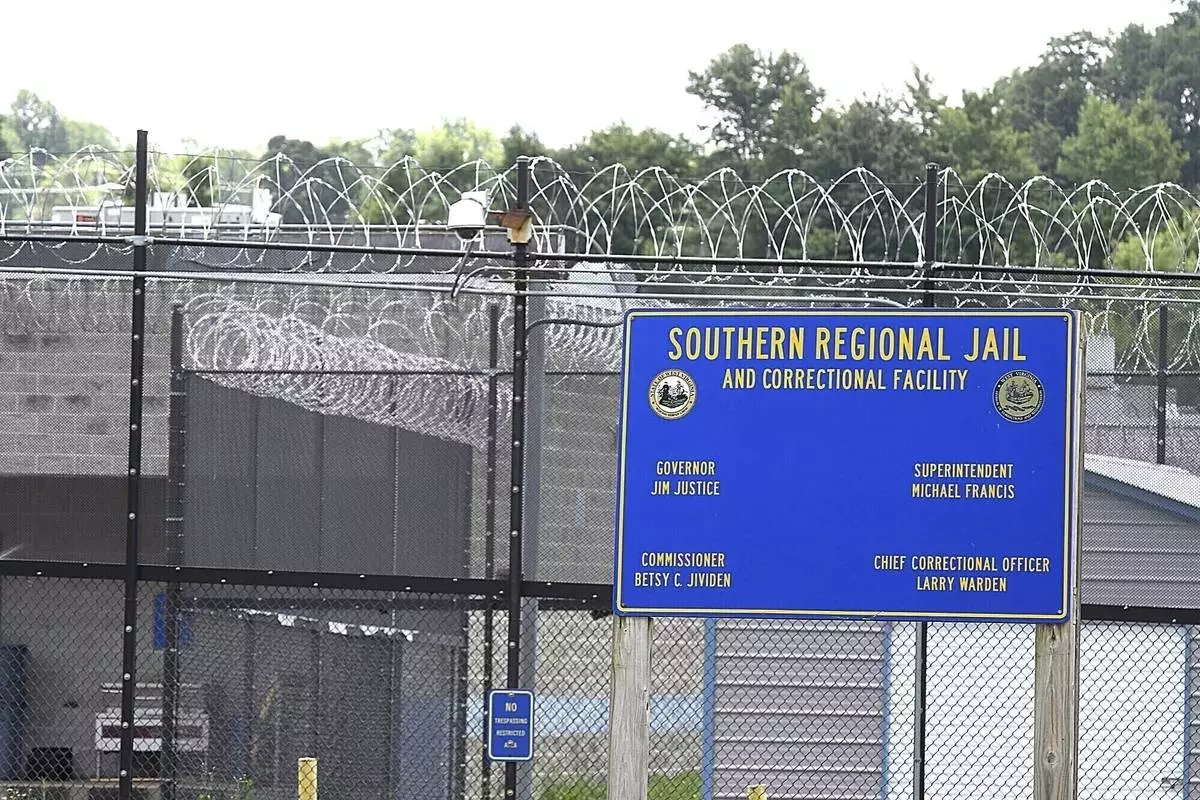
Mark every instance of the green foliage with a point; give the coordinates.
(641, 153)
(519, 142)
(396, 144)
(979, 138)
(456, 142)
(245, 789)
(440, 150)
(355, 151)
(680, 786)
(1165, 64)
(1045, 100)
(311, 186)
(37, 124)
(1173, 248)
(88, 134)
(765, 105)
(1124, 149)
(577, 789)
(871, 134)
(9, 144)
(635, 150)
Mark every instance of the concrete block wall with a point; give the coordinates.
(64, 367)
(64, 382)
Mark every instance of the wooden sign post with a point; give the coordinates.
(1056, 659)
(629, 709)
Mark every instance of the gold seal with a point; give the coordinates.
(672, 393)
(1019, 395)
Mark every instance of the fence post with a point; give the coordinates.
(134, 478)
(515, 574)
(306, 779)
(920, 655)
(929, 233)
(174, 551)
(629, 708)
(1161, 407)
(489, 527)
(531, 487)
(1056, 654)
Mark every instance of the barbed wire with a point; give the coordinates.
(408, 352)
(857, 217)
(416, 359)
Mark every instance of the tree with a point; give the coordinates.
(920, 105)
(1172, 248)
(1124, 149)
(1166, 64)
(873, 134)
(456, 142)
(8, 140)
(519, 142)
(979, 138)
(635, 150)
(1133, 66)
(310, 187)
(396, 144)
(355, 151)
(1045, 100)
(88, 134)
(410, 189)
(37, 124)
(764, 106)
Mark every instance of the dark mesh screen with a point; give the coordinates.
(64, 417)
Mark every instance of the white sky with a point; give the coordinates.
(236, 73)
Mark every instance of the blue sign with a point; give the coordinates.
(877, 463)
(510, 725)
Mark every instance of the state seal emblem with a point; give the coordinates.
(672, 393)
(1019, 395)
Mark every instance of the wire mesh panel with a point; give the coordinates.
(574, 657)
(1134, 710)
(60, 678)
(1182, 422)
(1121, 417)
(979, 711)
(578, 457)
(373, 685)
(64, 417)
(677, 719)
(334, 430)
(899, 712)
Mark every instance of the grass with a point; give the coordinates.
(680, 786)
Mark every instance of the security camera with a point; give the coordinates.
(468, 216)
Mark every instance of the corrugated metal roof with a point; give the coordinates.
(1172, 483)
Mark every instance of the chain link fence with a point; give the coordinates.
(322, 567)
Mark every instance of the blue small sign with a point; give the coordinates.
(878, 463)
(510, 725)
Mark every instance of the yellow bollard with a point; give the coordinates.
(756, 792)
(306, 779)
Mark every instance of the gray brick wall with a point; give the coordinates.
(64, 379)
